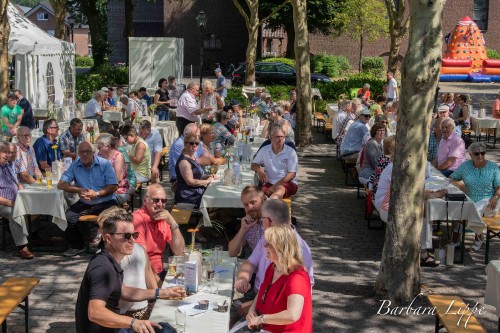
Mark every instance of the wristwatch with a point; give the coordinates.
(157, 293)
(262, 319)
(175, 227)
(97, 195)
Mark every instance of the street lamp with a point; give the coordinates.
(71, 26)
(201, 21)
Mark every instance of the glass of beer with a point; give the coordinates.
(49, 183)
(39, 181)
(48, 172)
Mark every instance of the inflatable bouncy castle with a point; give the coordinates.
(465, 57)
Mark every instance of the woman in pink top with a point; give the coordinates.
(495, 110)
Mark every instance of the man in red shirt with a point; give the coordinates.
(157, 227)
(365, 91)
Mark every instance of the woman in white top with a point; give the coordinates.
(211, 99)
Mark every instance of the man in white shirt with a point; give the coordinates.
(93, 110)
(155, 144)
(188, 110)
(280, 162)
(340, 117)
(392, 87)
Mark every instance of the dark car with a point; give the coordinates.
(273, 73)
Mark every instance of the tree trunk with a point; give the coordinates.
(396, 40)
(59, 7)
(399, 271)
(361, 53)
(4, 52)
(98, 31)
(398, 26)
(290, 42)
(303, 136)
(251, 54)
(129, 25)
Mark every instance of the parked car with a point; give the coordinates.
(273, 73)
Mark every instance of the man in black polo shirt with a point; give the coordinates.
(97, 304)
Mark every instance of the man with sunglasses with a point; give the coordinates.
(102, 285)
(25, 164)
(275, 212)
(93, 179)
(157, 228)
(357, 134)
(45, 153)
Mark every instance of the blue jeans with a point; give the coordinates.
(163, 115)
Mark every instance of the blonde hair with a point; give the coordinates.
(284, 104)
(284, 241)
(206, 128)
(107, 213)
(208, 85)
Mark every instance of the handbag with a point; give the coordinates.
(456, 197)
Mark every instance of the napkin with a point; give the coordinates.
(191, 309)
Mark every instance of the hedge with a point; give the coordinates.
(84, 61)
(329, 65)
(373, 65)
(492, 54)
(287, 61)
(105, 76)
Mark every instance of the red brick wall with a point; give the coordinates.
(81, 41)
(44, 25)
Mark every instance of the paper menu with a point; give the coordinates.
(191, 276)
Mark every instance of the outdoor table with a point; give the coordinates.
(492, 293)
(109, 116)
(440, 209)
(40, 200)
(211, 320)
(227, 196)
(41, 113)
(487, 122)
(168, 132)
(332, 109)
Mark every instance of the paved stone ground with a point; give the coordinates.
(346, 255)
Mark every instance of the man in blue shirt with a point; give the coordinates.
(46, 148)
(143, 94)
(220, 86)
(356, 134)
(93, 179)
(176, 150)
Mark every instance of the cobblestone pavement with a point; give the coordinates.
(346, 259)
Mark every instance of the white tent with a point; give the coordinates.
(45, 65)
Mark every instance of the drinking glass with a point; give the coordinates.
(39, 181)
(214, 283)
(218, 253)
(49, 182)
(180, 321)
(171, 266)
(197, 247)
(48, 172)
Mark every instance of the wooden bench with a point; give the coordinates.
(328, 129)
(492, 231)
(370, 209)
(349, 166)
(88, 219)
(163, 161)
(319, 120)
(13, 292)
(447, 316)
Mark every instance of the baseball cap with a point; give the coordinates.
(365, 112)
(234, 102)
(218, 70)
(443, 108)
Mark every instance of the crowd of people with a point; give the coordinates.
(124, 278)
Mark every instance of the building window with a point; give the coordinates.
(42, 16)
(211, 42)
(480, 14)
(68, 78)
(49, 77)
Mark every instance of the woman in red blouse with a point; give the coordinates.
(284, 302)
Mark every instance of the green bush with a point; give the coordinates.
(287, 61)
(84, 61)
(492, 54)
(329, 65)
(373, 65)
(331, 90)
(277, 92)
(105, 76)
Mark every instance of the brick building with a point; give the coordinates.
(42, 15)
(225, 38)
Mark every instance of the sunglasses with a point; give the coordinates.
(482, 153)
(157, 200)
(127, 235)
(367, 116)
(192, 144)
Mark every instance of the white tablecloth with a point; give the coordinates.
(39, 200)
(168, 132)
(109, 116)
(488, 122)
(332, 109)
(492, 293)
(436, 209)
(207, 322)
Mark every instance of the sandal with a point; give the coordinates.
(429, 262)
(475, 247)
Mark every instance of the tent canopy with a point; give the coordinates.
(45, 65)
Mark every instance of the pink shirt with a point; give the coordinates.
(454, 146)
(153, 235)
(496, 106)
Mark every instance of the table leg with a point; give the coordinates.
(4, 326)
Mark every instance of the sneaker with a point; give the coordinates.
(72, 252)
(25, 253)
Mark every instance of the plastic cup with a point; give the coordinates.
(214, 283)
(218, 253)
